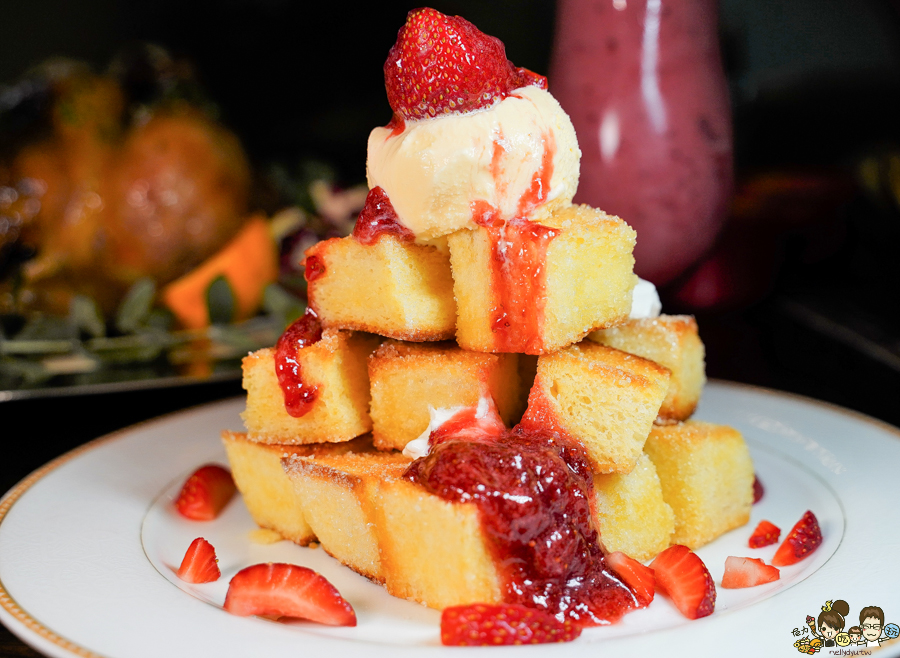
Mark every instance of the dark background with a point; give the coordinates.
(815, 91)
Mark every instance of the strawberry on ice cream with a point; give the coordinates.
(472, 135)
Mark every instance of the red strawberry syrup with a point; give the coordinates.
(518, 254)
(378, 218)
(298, 395)
(533, 493)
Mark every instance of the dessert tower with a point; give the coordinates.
(473, 296)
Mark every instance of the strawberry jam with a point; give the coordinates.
(298, 395)
(378, 218)
(533, 494)
(518, 256)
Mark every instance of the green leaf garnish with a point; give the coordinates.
(220, 303)
(136, 305)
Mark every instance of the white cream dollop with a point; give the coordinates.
(645, 301)
(419, 446)
(435, 169)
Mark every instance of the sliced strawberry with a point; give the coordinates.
(287, 590)
(747, 572)
(765, 534)
(199, 564)
(682, 576)
(483, 624)
(205, 493)
(639, 578)
(442, 64)
(803, 539)
(758, 490)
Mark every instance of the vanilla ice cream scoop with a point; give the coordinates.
(513, 159)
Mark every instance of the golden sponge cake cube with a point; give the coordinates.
(408, 378)
(585, 282)
(267, 491)
(671, 341)
(631, 514)
(602, 398)
(390, 288)
(433, 551)
(337, 366)
(706, 474)
(337, 494)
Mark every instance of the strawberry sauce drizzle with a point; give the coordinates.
(518, 254)
(533, 494)
(378, 218)
(299, 396)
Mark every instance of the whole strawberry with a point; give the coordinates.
(442, 64)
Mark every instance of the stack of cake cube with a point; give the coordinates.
(532, 312)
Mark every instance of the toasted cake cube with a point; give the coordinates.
(602, 398)
(390, 288)
(337, 366)
(267, 491)
(632, 516)
(433, 551)
(407, 378)
(337, 493)
(584, 283)
(707, 478)
(671, 341)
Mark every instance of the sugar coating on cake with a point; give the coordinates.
(601, 398)
(337, 492)
(337, 366)
(391, 288)
(706, 474)
(267, 491)
(407, 379)
(671, 341)
(632, 515)
(536, 286)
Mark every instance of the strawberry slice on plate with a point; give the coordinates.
(287, 590)
(205, 493)
(804, 538)
(443, 64)
(639, 578)
(199, 564)
(484, 624)
(747, 572)
(766, 534)
(682, 576)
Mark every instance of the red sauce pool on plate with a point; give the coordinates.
(533, 493)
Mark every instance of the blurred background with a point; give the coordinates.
(799, 291)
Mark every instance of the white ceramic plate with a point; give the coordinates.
(88, 543)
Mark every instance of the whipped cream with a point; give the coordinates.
(436, 169)
(420, 446)
(645, 301)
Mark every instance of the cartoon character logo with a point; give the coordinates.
(827, 629)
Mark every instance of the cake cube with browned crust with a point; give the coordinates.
(534, 287)
(392, 288)
(337, 493)
(603, 399)
(433, 551)
(706, 474)
(408, 378)
(336, 366)
(632, 516)
(267, 491)
(671, 341)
